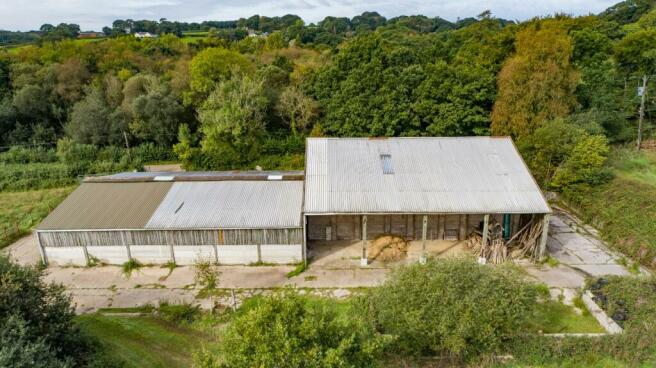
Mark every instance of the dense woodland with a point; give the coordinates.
(229, 100)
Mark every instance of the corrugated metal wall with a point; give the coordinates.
(170, 237)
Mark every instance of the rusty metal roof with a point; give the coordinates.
(107, 206)
(462, 175)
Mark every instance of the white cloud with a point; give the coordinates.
(94, 14)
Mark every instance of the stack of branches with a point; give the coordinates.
(525, 243)
(495, 251)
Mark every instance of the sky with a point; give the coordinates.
(94, 14)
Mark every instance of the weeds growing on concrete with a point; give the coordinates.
(130, 266)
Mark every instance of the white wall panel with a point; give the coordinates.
(65, 256)
(151, 254)
(237, 254)
(282, 254)
(189, 254)
(115, 254)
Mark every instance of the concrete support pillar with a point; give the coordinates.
(86, 253)
(424, 230)
(127, 246)
(545, 235)
(486, 223)
(42, 250)
(363, 260)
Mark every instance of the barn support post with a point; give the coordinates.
(545, 235)
(424, 230)
(462, 224)
(171, 250)
(304, 250)
(363, 260)
(86, 253)
(42, 250)
(127, 246)
(486, 224)
(440, 226)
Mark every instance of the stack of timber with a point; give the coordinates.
(524, 244)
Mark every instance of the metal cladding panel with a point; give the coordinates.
(430, 175)
(230, 205)
(107, 206)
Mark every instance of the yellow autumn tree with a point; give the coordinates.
(537, 84)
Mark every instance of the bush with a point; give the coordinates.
(21, 155)
(452, 307)
(36, 321)
(290, 330)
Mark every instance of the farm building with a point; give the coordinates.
(417, 188)
(423, 190)
(228, 217)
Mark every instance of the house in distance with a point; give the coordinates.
(352, 190)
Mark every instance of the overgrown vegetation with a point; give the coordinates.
(130, 266)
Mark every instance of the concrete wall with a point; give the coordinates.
(184, 254)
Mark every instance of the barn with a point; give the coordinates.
(155, 218)
(429, 191)
(437, 188)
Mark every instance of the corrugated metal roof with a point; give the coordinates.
(230, 204)
(430, 175)
(196, 176)
(107, 206)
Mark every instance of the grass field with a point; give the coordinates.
(625, 208)
(146, 341)
(21, 211)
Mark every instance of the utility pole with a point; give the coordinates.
(643, 93)
(127, 146)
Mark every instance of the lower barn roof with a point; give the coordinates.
(107, 206)
(460, 175)
(230, 205)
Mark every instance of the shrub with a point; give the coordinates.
(454, 307)
(36, 321)
(290, 330)
(130, 266)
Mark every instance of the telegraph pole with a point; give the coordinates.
(643, 93)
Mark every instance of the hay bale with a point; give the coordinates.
(387, 248)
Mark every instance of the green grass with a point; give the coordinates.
(145, 341)
(555, 317)
(22, 211)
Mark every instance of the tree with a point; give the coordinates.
(452, 307)
(232, 121)
(212, 66)
(297, 109)
(289, 330)
(71, 75)
(93, 122)
(36, 321)
(537, 84)
(561, 154)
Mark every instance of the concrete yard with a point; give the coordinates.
(335, 266)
